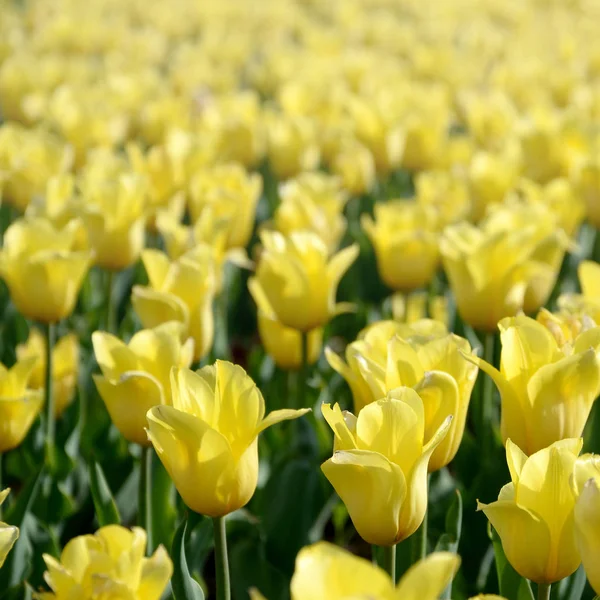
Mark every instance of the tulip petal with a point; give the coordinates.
(587, 467)
(428, 578)
(260, 298)
(589, 277)
(277, 416)
(516, 460)
(339, 264)
(403, 365)
(112, 355)
(344, 439)
(587, 531)
(361, 392)
(154, 308)
(561, 396)
(8, 537)
(156, 264)
(156, 573)
(373, 490)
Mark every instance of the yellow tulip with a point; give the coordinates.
(8, 534)
(296, 282)
(586, 484)
(109, 564)
(426, 132)
(547, 389)
(404, 236)
(587, 182)
(421, 355)
(588, 302)
(444, 191)
(380, 463)
(41, 268)
(409, 308)
(115, 218)
(180, 290)
(65, 367)
(207, 440)
(505, 265)
(284, 345)
(227, 193)
(136, 376)
(19, 405)
(355, 164)
(534, 514)
(326, 571)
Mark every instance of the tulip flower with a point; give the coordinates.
(327, 571)
(355, 164)
(284, 345)
(508, 264)
(41, 268)
(226, 192)
(405, 240)
(115, 219)
(380, 463)
(180, 290)
(207, 436)
(444, 191)
(587, 182)
(588, 302)
(19, 404)
(547, 390)
(296, 282)
(8, 534)
(109, 564)
(534, 514)
(65, 366)
(422, 355)
(136, 376)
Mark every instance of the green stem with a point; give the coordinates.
(596, 247)
(303, 383)
(145, 496)
(111, 325)
(221, 560)
(544, 591)
(389, 561)
(49, 397)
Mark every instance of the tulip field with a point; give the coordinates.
(300, 300)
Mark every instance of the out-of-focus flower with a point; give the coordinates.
(115, 219)
(354, 163)
(109, 564)
(327, 571)
(136, 376)
(547, 390)
(29, 158)
(8, 534)
(180, 290)
(422, 355)
(508, 264)
(409, 308)
(19, 404)
(65, 366)
(534, 514)
(296, 281)
(447, 192)
(41, 268)
(210, 434)
(588, 302)
(380, 463)
(226, 193)
(405, 238)
(284, 345)
(586, 178)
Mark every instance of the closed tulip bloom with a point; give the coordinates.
(587, 182)
(405, 238)
(534, 513)
(380, 463)
(8, 534)
(136, 376)
(115, 219)
(296, 281)
(421, 355)
(19, 405)
(109, 564)
(284, 345)
(547, 390)
(229, 194)
(327, 571)
(65, 366)
(41, 268)
(207, 439)
(180, 290)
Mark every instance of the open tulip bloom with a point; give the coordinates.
(8, 534)
(380, 462)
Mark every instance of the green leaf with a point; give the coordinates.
(107, 512)
(184, 587)
(449, 540)
(571, 588)
(511, 584)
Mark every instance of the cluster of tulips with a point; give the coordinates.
(373, 222)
